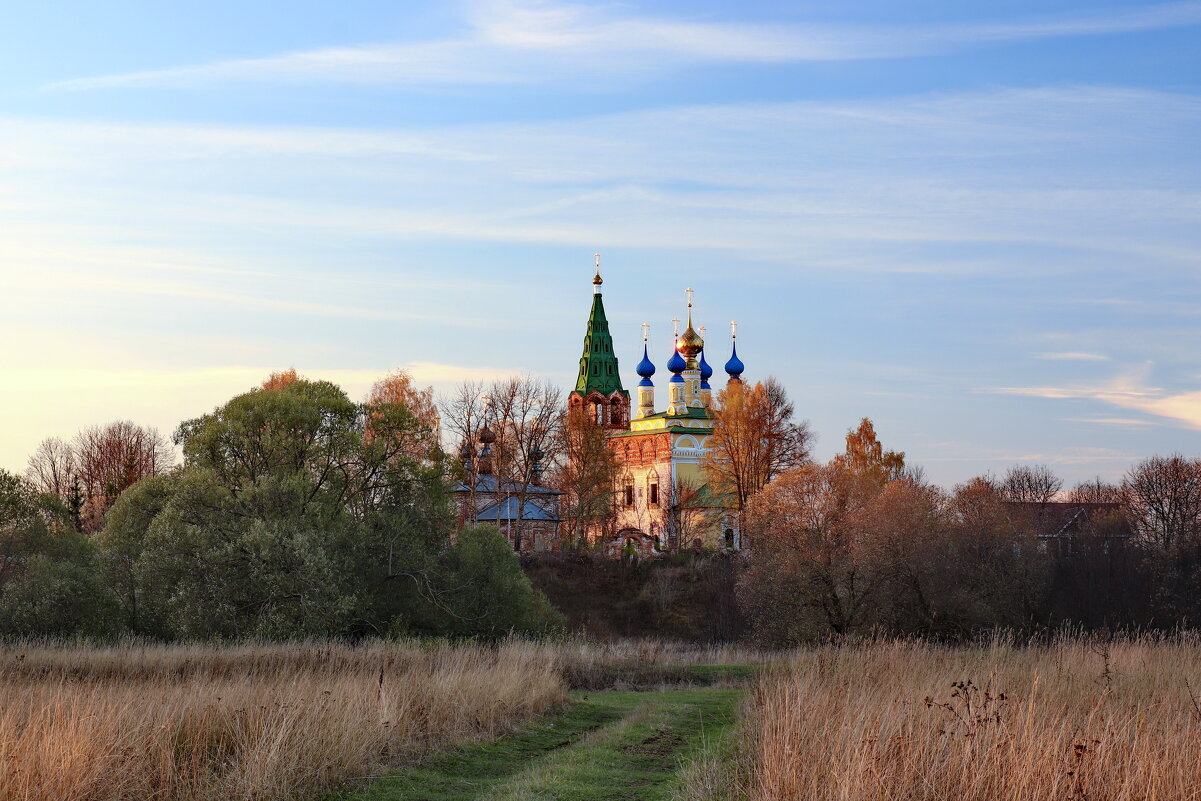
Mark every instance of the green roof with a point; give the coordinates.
(669, 430)
(689, 412)
(598, 364)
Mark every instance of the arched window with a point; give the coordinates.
(652, 491)
(629, 493)
(600, 414)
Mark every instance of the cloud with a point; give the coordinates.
(832, 181)
(1125, 392)
(520, 42)
(1109, 421)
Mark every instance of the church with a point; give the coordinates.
(664, 500)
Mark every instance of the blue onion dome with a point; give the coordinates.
(735, 366)
(645, 368)
(706, 370)
(676, 363)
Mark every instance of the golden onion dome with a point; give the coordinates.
(690, 343)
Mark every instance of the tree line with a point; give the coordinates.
(295, 512)
(864, 544)
(298, 512)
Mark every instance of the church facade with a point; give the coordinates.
(664, 499)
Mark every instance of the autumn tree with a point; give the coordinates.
(1163, 496)
(686, 518)
(1030, 484)
(397, 388)
(525, 415)
(999, 571)
(52, 468)
(588, 474)
(865, 456)
(809, 578)
(88, 473)
(754, 439)
(462, 417)
(280, 379)
(1095, 490)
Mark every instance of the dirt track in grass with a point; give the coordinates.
(607, 746)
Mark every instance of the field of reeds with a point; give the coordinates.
(1079, 719)
(248, 721)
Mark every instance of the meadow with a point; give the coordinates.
(1080, 718)
(1075, 718)
(248, 721)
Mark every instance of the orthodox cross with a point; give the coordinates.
(733, 329)
(675, 327)
(646, 332)
(688, 292)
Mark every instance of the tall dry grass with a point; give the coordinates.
(250, 721)
(1078, 719)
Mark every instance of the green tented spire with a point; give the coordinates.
(598, 365)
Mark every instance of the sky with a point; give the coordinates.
(978, 224)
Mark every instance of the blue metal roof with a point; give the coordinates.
(507, 510)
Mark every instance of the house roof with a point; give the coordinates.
(507, 510)
(490, 483)
(1063, 518)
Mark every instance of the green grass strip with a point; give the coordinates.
(608, 746)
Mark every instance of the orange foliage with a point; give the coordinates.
(397, 388)
(279, 380)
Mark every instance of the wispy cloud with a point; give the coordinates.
(1129, 391)
(834, 181)
(510, 42)
(1109, 421)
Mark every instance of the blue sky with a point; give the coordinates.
(978, 224)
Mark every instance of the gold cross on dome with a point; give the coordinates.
(688, 292)
(646, 332)
(675, 326)
(733, 329)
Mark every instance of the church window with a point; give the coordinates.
(729, 538)
(600, 414)
(653, 491)
(629, 493)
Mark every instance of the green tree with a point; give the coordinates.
(49, 584)
(287, 519)
(486, 593)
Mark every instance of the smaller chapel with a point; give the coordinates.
(665, 500)
(526, 513)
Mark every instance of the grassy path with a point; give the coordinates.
(607, 746)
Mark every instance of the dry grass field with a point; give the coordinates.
(1078, 720)
(251, 721)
